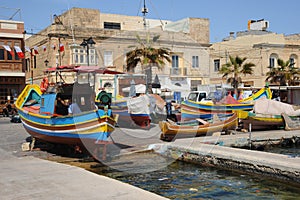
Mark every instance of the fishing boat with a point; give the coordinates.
(261, 121)
(268, 114)
(204, 109)
(45, 116)
(195, 128)
(133, 111)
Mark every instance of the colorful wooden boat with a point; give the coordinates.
(205, 109)
(39, 114)
(171, 130)
(132, 111)
(260, 121)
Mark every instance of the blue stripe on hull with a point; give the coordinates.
(94, 136)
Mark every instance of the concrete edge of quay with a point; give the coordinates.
(221, 152)
(34, 178)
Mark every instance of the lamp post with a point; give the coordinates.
(88, 43)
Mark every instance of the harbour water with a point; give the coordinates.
(181, 180)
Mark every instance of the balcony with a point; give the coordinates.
(178, 71)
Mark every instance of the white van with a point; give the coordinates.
(197, 96)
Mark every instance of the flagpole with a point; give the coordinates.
(59, 53)
(31, 65)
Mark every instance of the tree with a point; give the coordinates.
(148, 56)
(234, 68)
(285, 74)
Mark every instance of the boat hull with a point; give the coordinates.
(263, 122)
(173, 130)
(89, 126)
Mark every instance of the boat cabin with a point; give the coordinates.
(56, 100)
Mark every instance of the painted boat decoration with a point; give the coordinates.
(262, 93)
(44, 118)
(171, 130)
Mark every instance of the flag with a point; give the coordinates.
(61, 47)
(53, 46)
(44, 48)
(7, 48)
(27, 49)
(35, 48)
(19, 52)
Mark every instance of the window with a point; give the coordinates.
(112, 25)
(272, 60)
(292, 62)
(216, 65)
(80, 56)
(108, 58)
(92, 58)
(175, 61)
(4, 54)
(195, 62)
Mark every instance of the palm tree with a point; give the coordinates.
(234, 68)
(285, 74)
(147, 56)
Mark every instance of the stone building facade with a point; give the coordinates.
(12, 71)
(260, 47)
(114, 35)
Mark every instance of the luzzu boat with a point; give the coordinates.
(171, 130)
(41, 118)
(204, 110)
(132, 111)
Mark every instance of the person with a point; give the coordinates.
(61, 106)
(7, 109)
(73, 107)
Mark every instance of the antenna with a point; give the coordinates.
(144, 11)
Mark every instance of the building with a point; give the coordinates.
(12, 70)
(259, 46)
(187, 39)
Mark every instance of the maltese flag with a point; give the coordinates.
(7, 48)
(35, 48)
(28, 50)
(61, 47)
(19, 52)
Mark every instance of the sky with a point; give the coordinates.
(224, 16)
